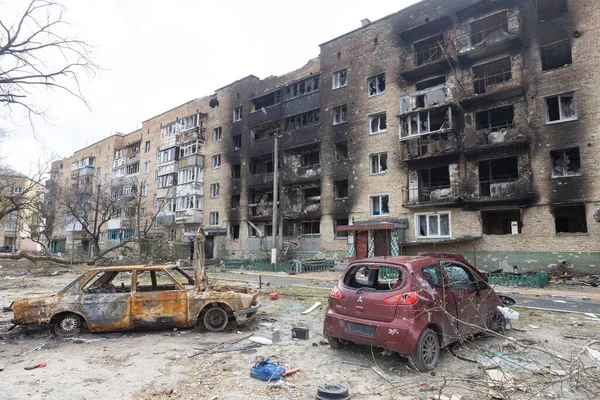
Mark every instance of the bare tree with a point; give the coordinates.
(18, 191)
(37, 52)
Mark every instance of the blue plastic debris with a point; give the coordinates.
(266, 370)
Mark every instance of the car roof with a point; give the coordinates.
(136, 267)
(414, 261)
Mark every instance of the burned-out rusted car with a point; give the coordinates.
(130, 297)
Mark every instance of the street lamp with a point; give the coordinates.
(275, 188)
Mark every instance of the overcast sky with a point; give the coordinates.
(156, 55)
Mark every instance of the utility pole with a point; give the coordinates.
(275, 195)
(92, 247)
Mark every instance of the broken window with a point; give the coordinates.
(234, 231)
(147, 148)
(151, 281)
(501, 222)
(379, 163)
(374, 278)
(433, 225)
(429, 50)
(217, 134)
(341, 150)
(429, 83)
(498, 170)
(560, 108)
(380, 205)
(437, 178)
(340, 222)
(312, 196)
(236, 171)
(261, 165)
(566, 162)
(437, 119)
(570, 218)
(311, 158)
(235, 201)
(556, 55)
(237, 142)
(489, 28)
(265, 131)
(492, 73)
(215, 189)
(216, 161)
(213, 218)
(339, 79)
(252, 232)
(268, 230)
(340, 114)
(302, 87)
(341, 189)
(376, 85)
(550, 9)
(495, 119)
(377, 123)
(266, 101)
(301, 120)
(110, 281)
(311, 228)
(237, 114)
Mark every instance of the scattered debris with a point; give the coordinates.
(331, 391)
(425, 387)
(36, 349)
(266, 370)
(300, 332)
(290, 371)
(274, 296)
(2, 368)
(312, 308)
(594, 355)
(260, 340)
(381, 373)
(533, 326)
(40, 365)
(80, 340)
(509, 315)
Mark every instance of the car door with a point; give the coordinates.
(158, 300)
(461, 282)
(443, 305)
(106, 300)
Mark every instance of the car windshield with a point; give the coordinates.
(374, 277)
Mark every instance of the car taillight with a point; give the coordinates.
(335, 292)
(404, 299)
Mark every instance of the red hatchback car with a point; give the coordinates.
(411, 305)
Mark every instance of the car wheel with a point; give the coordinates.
(427, 351)
(215, 319)
(335, 343)
(497, 323)
(68, 325)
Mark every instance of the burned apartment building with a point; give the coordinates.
(455, 125)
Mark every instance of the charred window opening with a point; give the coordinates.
(339, 79)
(341, 150)
(489, 27)
(310, 158)
(236, 171)
(570, 218)
(497, 171)
(492, 73)
(341, 189)
(261, 203)
(261, 165)
(550, 9)
(429, 50)
(434, 179)
(377, 123)
(266, 101)
(151, 281)
(437, 119)
(234, 231)
(340, 222)
(301, 120)
(560, 108)
(340, 114)
(302, 87)
(265, 131)
(496, 119)
(380, 205)
(311, 227)
(237, 114)
(429, 83)
(252, 232)
(566, 162)
(237, 142)
(379, 163)
(376, 85)
(235, 201)
(312, 196)
(501, 222)
(556, 55)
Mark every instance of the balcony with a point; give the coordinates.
(432, 56)
(441, 194)
(191, 160)
(261, 211)
(87, 171)
(75, 173)
(489, 140)
(189, 217)
(434, 145)
(172, 168)
(195, 133)
(496, 33)
(492, 82)
(435, 96)
(499, 191)
(190, 188)
(301, 173)
(119, 162)
(133, 159)
(165, 218)
(260, 180)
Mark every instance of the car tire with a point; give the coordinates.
(427, 351)
(335, 343)
(215, 319)
(68, 325)
(497, 323)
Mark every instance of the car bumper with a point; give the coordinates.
(245, 315)
(397, 335)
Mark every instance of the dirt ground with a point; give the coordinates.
(157, 364)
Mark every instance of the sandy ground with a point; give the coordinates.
(156, 364)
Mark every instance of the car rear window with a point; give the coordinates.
(374, 277)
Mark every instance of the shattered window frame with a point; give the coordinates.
(548, 12)
(302, 87)
(339, 155)
(234, 231)
(425, 229)
(339, 193)
(380, 205)
(339, 79)
(314, 228)
(560, 100)
(376, 85)
(381, 123)
(237, 114)
(340, 114)
(406, 125)
(340, 222)
(216, 161)
(561, 158)
(376, 165)
(549, 56)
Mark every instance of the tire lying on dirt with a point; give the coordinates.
(68, 325)
(215, 319)
(427, 351)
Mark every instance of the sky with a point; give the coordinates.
(155, 55)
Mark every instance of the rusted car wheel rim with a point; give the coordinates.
(429, 350)
(68, 325)
(216, 319)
